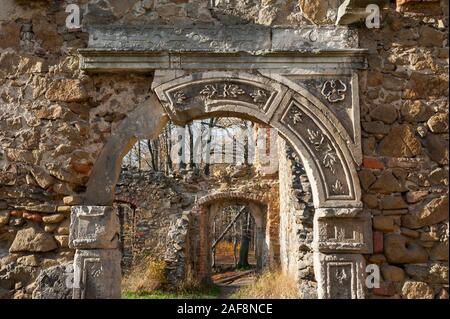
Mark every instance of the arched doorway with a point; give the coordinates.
(326, 139)
(199, 257)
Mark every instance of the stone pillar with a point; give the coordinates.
(94, 233)
(341, 236)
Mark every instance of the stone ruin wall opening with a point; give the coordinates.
(56, 118)
(255, 187)
(157, 213)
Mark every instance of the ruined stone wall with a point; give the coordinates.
(296, 221)
(404, 114)
(53, 123)
(160, 203)
(54, 120)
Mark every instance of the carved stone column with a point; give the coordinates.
(94, 233)
(341, 236)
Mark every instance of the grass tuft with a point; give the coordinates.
(270, 285)
(146, 277)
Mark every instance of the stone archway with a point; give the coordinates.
(316, 111)
(201, 217)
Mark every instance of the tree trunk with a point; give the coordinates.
(208, 147)
(152, 154)
(245, 243)
(191, 147)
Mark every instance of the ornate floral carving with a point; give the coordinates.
(316, 138)
(334, 90)
(259, 96)
(232, 90)
(209, 91)
(179, 97)
(329, 158)
(337, 188)
(221, 91)
(296, 115)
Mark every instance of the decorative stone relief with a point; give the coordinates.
(220, 38)
(94, 227)
(220, 91)
(329, 157)
(334, 90)
(97, 274)
(304, 126)
(345, 233)
(338, 95)
(300, 117)
(340, 276)
(215, 91)
(95, 235)
(307, 37)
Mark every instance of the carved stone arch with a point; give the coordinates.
(315, 133)
(257, 203)
(341, 231)
(232, 196)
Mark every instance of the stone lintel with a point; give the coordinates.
(255, 39)
(94, 227)
(108, 60)
(340, 276)
(146, 48)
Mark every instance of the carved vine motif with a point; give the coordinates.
(228, 90)
(296, 115)
(232, 90)
(329, 157)
(209, 91)
(334, 90)
(220, 91)
(93, 267)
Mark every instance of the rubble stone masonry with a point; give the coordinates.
(56, 118)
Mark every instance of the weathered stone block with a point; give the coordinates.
(33, 239)
(67, 91)
(343, 233)
(378, 242)
(440, 252)
(97, 274)
(340, 276)
(402, 250)
(387, 183)
(434, 273)
(438, 123)
(53, 218)
(400, 142)
(94, 227)
(437, 148)
(417, 290)
(54, 283)
(9, 35)
(384, 223)
(4, 217)
(432, 213)
(392, 273)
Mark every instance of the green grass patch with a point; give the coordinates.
(206, 293)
